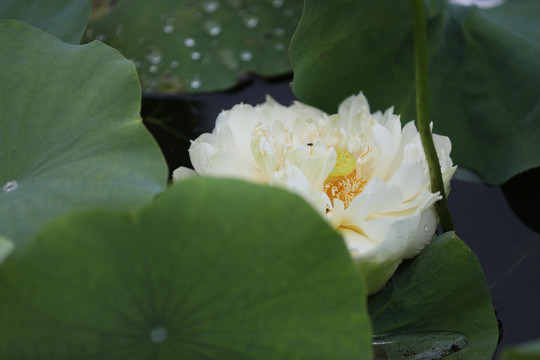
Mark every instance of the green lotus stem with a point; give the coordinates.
(421, 74)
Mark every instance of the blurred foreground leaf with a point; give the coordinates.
(71, 135)
(213, 269)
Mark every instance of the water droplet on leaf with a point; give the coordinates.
(277, 3)
(279, 46)
(210, 6)
(119, 31)
(158, 335)
(246, 55)
(251, 21)
(168, 29)
(227, 58)
(288, 12)
(212, 27)
(195, 83)
(195, 55)
(279, 31)
(10, 186)
(154, 55)
(189, 42)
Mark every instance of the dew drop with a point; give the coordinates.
(89, 33)
(279, 46)
(288, 12)
(279, 31)
(154, 55)
(228, 59)
(246, 55)
(212, 28)
(277, 3)
(174, 64)
(119, 31)
(195, 83)
(10, 186)
(211, 6)
(153, 69)
(168, 29)
(195, 55)
(426, 228)
(251, 21)
(101, 37)
(189, 42)
(158, 335)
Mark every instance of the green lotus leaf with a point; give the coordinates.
(6, 247)
(441, 299)
(71, 135)
(212, 269)
(525, 351)
(183, 46)
(65, 19)
(484, 77)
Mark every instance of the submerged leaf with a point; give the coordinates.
(71, 133)
(213, 269)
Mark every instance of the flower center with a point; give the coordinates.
(343, 182)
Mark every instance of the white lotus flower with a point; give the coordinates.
(364, 173)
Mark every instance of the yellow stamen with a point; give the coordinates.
(343, 183)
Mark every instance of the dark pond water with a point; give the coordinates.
(500, 224)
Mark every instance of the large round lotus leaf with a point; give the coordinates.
(65, 19)
(437, 306)
(484, 78)
(213, 269)
(199, 46)
(71, 135)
